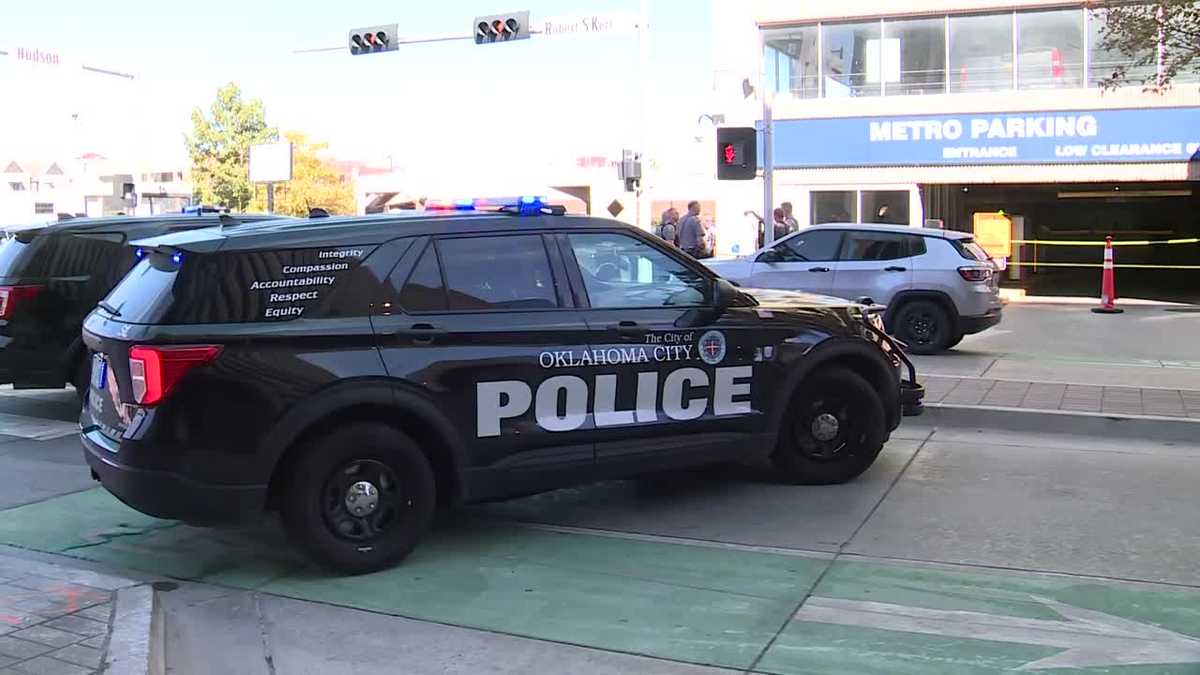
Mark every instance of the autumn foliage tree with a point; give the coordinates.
(219, 147)
(315, 183)
(1160, 40)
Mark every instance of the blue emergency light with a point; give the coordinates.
(524, 206)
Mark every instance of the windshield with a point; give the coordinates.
(143, 296)
(15, 254)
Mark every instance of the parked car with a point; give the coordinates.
(937, 285)
(52, 275)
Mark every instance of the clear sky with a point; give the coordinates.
(472, 104)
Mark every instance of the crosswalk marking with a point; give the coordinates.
(35, 428)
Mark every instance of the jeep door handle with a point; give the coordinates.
(895, 268)
(818, 269)
(422, 333)
(628, 329)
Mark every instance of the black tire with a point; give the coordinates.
(955, 339)
(316, 506)
(861, 429)
(925, 326)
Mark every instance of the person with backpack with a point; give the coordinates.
(668, 230)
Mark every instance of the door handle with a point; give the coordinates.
(628, 329)
(818, 269)
(422, 333)
(895, 268)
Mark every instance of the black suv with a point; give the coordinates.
(354, 372)
(51, 276)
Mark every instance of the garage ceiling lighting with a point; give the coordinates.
(1125, 193)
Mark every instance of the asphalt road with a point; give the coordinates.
(960, 550)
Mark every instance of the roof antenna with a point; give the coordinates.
(227, 220)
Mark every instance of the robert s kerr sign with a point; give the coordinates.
(1060, 137)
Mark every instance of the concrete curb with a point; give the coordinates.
(1140, 427)
(135, 645)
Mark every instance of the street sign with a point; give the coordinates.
(604, 23)
(993, 232)
(270, 163)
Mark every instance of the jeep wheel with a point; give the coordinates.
(832, 431)
(924, 326)
(359, 498)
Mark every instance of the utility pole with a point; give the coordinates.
(643, 205)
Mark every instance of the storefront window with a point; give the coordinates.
(840, 206)
(1050, 49)
(914, 56)
(851, 59)
(791, 62)
(981, 53)
(885, 206)
(1102, 63)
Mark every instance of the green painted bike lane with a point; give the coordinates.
(711, 605)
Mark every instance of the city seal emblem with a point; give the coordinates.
(712, 347)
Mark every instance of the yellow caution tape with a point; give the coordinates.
(1135, 242)
(1130, 266)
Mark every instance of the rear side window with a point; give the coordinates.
(875, 246)
(505, 272)
(916, 245)
(15, 254)
(968, 249)
(424, 290)
(144, 295)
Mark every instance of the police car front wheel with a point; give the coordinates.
(359, 498)
(832, 431)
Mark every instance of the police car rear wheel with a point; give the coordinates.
(359, 498)
(833, 430)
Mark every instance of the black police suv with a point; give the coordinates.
(51, 276)
(353, 372)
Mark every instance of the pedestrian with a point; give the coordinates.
(668, 229)
(781, 226)
(692, 235)
(788, 218)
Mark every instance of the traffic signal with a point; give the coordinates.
(501, 27)
(737, 153)
(373, 39)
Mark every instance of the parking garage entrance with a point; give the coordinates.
(1063, 226)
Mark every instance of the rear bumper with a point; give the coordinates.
(969, 325)
(169, 495)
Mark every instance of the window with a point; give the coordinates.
(810, 246)
(967, 248)
(1050, 49)
(889, 207)
(839, 206)
(875, 246)
(916, 245)
(981, 53)
(1102, 63)
(850, 54)
(914, 56)
(791, 62)
(43, 208)
(497, 273)
(623, 271)
(424, 290)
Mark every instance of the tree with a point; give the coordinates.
(1159, 39)
(219, 147)
(315, 183)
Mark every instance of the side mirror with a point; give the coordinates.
(725, 294)
(769, 256)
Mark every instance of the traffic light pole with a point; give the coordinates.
(270, 198)
(768, 169)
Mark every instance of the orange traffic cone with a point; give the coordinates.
(1108, 285)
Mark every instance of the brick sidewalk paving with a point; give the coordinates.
(1063, 397)
(53, 620)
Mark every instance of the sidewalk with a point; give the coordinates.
(1031, 395)
(57, 620)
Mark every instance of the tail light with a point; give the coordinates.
(154, 371)
(11, 296)
(975, 273)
